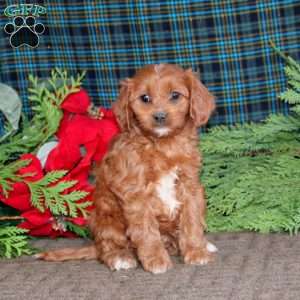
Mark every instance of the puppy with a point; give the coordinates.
(149, 203)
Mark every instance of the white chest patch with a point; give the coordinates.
(166, 191)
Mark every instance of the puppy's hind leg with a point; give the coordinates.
(109, 230)
(112, 246)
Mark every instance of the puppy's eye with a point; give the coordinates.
(145, 98)
(175, 96)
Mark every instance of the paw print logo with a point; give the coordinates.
(24, 31)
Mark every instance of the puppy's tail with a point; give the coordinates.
(87, 252)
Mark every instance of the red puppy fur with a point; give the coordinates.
(149, 202)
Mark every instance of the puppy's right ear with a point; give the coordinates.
(121, 107)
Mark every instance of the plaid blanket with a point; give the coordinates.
(226, 41)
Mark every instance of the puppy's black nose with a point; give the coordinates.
(160, 117)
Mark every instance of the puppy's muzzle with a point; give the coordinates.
(160, 117)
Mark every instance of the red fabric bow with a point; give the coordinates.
(82, 140)
(79, 133)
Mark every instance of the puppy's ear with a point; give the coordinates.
(121, 107)
(202, 102)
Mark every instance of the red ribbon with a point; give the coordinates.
(82, 141)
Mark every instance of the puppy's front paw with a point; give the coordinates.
(158, 263)
(198, 256)
(210, 247)
(122, 260)
(124, 263)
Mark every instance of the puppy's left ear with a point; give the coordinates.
(202, 102)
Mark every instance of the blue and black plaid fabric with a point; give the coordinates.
(226, 41)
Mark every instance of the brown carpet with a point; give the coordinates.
(248, 266)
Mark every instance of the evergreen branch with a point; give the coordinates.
(81, 231)
(41, 196)
(8, 175)
(296, 109)
(14, 242)
(291, 96)
(253, 193)
(48, 193)
(52, 177)
(251, 171)
(64, 185)
(250, 137)
(44, 124)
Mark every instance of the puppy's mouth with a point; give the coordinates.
(162, 130)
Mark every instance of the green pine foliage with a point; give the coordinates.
(46, 97)
(251, 172)
(79, 230)
(14, 242)
(48, 193)
(8, 175)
